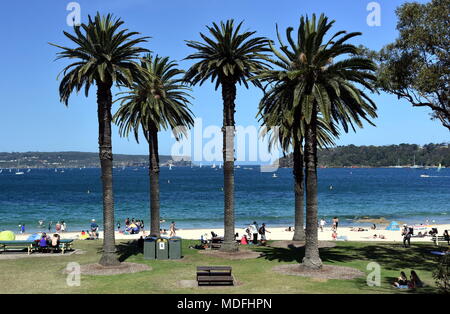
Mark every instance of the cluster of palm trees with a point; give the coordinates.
(311, 86)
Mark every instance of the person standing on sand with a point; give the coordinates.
(322, 224)
(335, 223)
(262, 231)
(254, 231)
(172, 229)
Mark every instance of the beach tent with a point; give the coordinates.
(34, 237)
(7, 236)
(394, 226)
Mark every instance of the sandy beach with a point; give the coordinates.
(278, 233)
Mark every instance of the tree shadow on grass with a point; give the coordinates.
(389, 256)
(126, 250)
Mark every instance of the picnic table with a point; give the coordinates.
(17, 244)
(33, 245)
(214, 275)
(437, 238)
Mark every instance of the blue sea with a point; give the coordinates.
(193, 197)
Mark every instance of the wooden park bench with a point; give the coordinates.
(218, 275)
(437, 238)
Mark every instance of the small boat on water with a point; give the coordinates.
(274, 175)
(424, 176)
(19, 172)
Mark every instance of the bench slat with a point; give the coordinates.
(199, 268)
(215, 278)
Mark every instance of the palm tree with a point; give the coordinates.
(104, 56)
(228, 58)
(323, 88)
(157, 100)
(284, 130)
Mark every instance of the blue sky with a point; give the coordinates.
(33, 119)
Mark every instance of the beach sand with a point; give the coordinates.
(279, 233)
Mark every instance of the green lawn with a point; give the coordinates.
(44, 274)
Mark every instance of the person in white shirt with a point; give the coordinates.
(322, 224)
(254, 230)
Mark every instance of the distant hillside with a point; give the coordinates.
(76, 160)
(381, 156)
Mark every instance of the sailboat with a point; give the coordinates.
(274, 175)
(214, 165)
(170, 166)
(18, 172)
(415, 166)
(439, 167)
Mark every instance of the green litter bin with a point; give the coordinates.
(162, 248)
(175, 248)
(150, 248)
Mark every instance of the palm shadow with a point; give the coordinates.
(126, 250)
(390, 256)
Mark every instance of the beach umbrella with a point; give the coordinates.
(34, 237)
(7, 236)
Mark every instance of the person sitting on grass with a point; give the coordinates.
(415, 281)
(402, 281)
(244, 240)
(55, 241)
(43, 242)
(84, 235)
(446, 237)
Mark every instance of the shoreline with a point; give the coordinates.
(276, 233)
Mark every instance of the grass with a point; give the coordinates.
(45, 274)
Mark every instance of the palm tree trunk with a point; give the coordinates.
(228, 95)
(154, 182)
(299, 185)
(312, 257)
(104, 101)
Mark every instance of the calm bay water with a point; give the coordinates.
(193, 197)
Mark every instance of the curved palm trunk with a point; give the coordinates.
(299, 185)
(104, 102)
(312, 258)
(228, 96)
(154, 182)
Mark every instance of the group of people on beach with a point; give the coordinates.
(92, 233)
(133, 226)
(252, 232)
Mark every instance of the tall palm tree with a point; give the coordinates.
(104, 55)
(228, 58)
(323, 88)
(285, 130)
(159, 99)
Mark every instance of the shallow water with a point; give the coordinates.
(193, 197)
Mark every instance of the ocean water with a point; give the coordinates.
(193, 197)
